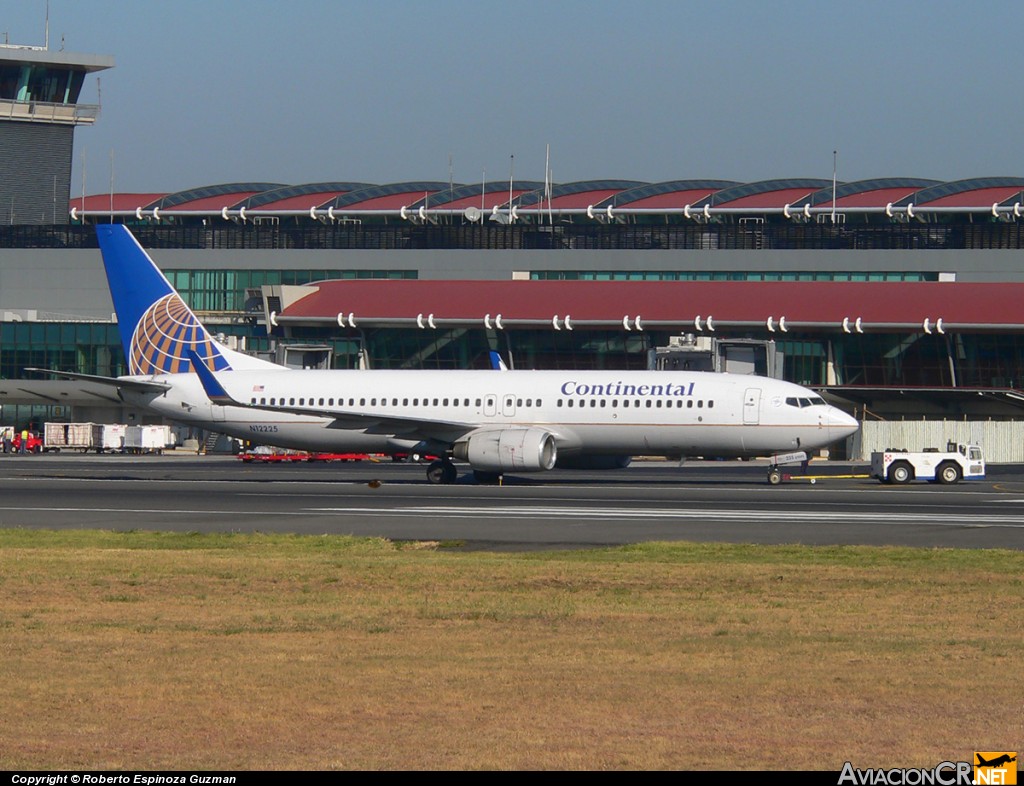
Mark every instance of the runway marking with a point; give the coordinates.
(674, 513)
(681, 484)
(155, 511)
(603, 514)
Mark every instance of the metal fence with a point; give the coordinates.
(1002, 440)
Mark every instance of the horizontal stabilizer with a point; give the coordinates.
(118, 382)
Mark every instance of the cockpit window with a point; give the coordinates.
(813, 401)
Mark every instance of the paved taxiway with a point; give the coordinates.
(726, 501)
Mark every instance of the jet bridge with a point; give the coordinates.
(708, 353)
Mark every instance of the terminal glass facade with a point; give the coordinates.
(226, 290)
(463, 348)
(868, 232)
(80, 347)
(816, 359)
(872, 359)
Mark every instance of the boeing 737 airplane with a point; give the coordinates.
(495, 421)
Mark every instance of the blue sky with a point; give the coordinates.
(215, 91)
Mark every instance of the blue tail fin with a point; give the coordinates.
(497, 363)
(157, 329)
(214, 390)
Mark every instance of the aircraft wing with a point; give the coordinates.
(371, 422)
(119, 382)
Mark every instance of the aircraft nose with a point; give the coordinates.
(840, 424)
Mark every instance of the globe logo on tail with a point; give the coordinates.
(163, 336)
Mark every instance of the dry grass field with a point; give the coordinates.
(149, 651)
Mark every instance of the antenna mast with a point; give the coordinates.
(83, 185)
(451, 187)
(111, 185)
(547, 181)
(511, 177)
(835, 156)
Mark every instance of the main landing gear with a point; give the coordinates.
(442, 471)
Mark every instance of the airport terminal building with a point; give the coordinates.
(898, 298)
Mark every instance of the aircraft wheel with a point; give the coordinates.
(435, 472)
(900, 473)
(774, 476)
(442, 472)
(949, 473)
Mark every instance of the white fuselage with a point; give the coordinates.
(587, 412)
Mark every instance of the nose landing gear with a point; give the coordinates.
(775, 476)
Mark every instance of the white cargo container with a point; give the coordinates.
(68, 436)
(110, 436)
(147, 439)
(83, 436)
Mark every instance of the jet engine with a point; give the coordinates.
(502, 450)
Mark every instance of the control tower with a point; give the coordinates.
(39, 110)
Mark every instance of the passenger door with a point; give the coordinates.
(752, 406)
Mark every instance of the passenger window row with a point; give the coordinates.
(384, 402)
(455, 402)
(636, 403)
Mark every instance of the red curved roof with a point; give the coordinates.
(975, 194)
(393, 201)
(302, 201)
(676, 199)
(580, 200)
(978, 197)
(769, 199)
(879, 197)
(122, 202)
(488, 200)
(216, 202)
(671, 302)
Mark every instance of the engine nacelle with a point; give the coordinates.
(501, 450)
